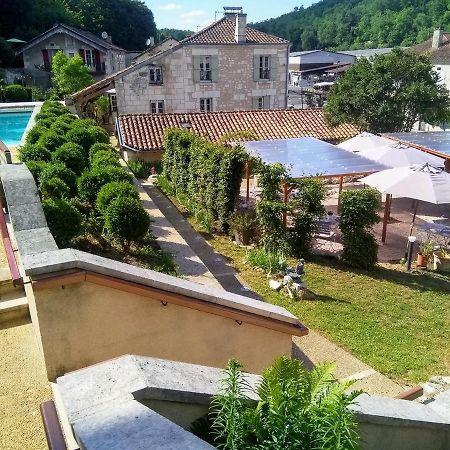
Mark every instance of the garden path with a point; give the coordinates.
(312, 349)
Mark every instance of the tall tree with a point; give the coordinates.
(70, 74)
(389, 93)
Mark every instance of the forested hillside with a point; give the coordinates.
(352, 24)
(130, 22)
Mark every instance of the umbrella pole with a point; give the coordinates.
(414, 217)
(247, 179)
(387, 213)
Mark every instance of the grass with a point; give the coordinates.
(394, 321)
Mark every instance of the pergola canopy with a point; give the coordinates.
(308, 156)
(439, 141)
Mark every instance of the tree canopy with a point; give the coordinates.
(70, 74)
(389, 93)
(352, 24)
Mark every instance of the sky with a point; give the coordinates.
(196, 14)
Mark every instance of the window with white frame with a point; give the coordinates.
(261, 103)
(89, 58)
(206, 104)
(157, 106)
(155, 75)
(264, 67)
(205, 68)
(113, 102)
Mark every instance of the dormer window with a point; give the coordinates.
(156, 75)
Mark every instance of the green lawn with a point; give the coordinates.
(397, 322)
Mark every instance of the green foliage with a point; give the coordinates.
(209, 175)
(35, 133)
(63, 219)
(58, 170)
(16, 93)
(100, 147)
(36, 168)
(165, 33)
(243, 220)
(358, 216)
(270, 219)
(389, 94)
(126, 220)
(270, 179)
(104, 159)
(298, 409)
(54, 106)
(269, 261)
(34, 152)
(101, 108)
(141, 169)
(90, 182)
(54, 188)
(113, 190)
(70, 74)
(51, 140)
(72, 155)
(345, 24)
(86, 137)
(306, 208)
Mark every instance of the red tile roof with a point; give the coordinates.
(222, 32)
(145, 132)
(439, 55)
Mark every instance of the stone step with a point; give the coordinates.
(13, 306)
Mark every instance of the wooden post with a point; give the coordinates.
(447, 165)
(247, 177)
(341, 182)
(387, 211)
(285, 199)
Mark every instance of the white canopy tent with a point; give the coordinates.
(364, 141)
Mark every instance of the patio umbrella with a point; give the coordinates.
(365, 141)
(399, 155)
(15, 41)
(421, 183)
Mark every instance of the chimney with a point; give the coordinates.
(109, 39)
(437, 38)
(236, 14)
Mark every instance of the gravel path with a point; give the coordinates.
(23, 387)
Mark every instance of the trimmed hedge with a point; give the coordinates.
(86, 137)
(51, 140)
(54, 188)
(72, 155)
(35, 133)
(16, 93)
(36, 168)
(59, 170)
(111, 191)
(100, 147)
(104, 159)
(34, 152)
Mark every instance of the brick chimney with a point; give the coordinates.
(437, 38)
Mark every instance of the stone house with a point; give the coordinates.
(99, 54)
(226, 66)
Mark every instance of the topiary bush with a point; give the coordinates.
(60, 126)
(111, 191)
(358, 216)
(34, 152)
(126, 220)
(90, 182)
(100, 147)
(53, 106)
(83, 123)
(54, 188)
(36, 168)
(72, 155)
(59, 170)
(63, 219)
(99, 134)
(16, 93)
(51, 140)
(35, 133)
(86, 136)
(105, 158)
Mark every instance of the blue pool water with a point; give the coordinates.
(12, 126)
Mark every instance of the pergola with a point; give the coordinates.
(309, 157)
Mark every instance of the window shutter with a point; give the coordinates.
(46, 59)
(214, 68)
(81, 53)
(273, 64)
(196, 61)
(256, 67)
(267, 102)
(254, 102)
(98, 66)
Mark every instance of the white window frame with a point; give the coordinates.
(89, 58)
(264, 67)
(156, 75)
(205, 68)
(157, 106)
(206, 104)
(261, 103)
(113, 102)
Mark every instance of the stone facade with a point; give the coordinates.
(233, 87)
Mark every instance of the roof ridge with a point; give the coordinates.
(203, 30)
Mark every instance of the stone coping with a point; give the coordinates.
(56, 261)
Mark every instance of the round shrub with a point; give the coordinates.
(105, 159)
(127, 220)
(81, 136)
(83, 123)
(68, 118)
(59, 170)
(54, 106)
(51, 140)
(99, 134)
(35, 133)
(16, 93)
(100, 147)
(36, 168)
(54, 188)
(72, 155)
(46, 122)
(60, 127)
(34, 152)
(111, 191)
(63, 219)
(43, 115)
(90, 182)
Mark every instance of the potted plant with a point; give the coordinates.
(442, 260)
(242, 224)
(425, 251)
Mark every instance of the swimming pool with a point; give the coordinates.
(12, 126)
